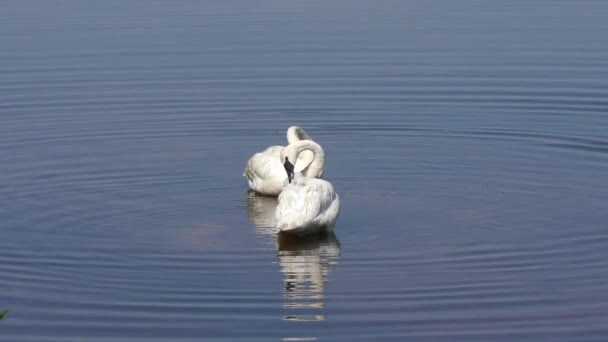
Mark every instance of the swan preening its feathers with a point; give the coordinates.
(306, 204)
(305, 261)
(265, 172)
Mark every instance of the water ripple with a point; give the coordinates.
(467, 142)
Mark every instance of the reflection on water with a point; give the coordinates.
(304, 261)
(468, 141)
(261, 212)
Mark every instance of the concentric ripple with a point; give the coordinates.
(467, 142)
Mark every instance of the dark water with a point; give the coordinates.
(468, 141)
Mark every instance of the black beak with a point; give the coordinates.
(289, 168)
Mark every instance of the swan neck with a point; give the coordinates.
(316, 166)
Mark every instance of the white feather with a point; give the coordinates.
(264, 170)
(307, 205)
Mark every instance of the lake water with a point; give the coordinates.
(468, 141)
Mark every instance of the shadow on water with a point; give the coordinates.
(304, 261)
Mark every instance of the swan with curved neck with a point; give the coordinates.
(264, 170)
(290, 155)
(307, 204)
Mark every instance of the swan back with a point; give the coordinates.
(307, 205)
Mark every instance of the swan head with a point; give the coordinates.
(313, 166)
(289, 157)
(297, 133)
(289, 168)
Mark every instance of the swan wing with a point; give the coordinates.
(274, 150)
(305, 203)
(259, 164)
(264, 166)
(321, 196)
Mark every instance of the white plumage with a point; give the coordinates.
(264, 170)
(307, 205)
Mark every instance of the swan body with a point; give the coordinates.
(307, 205)
(264, 170)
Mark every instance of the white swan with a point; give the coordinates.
(264, 170)
(306, 205)
(305, 261)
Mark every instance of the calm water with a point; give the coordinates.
(468, 141)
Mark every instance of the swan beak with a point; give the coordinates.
(289, 168)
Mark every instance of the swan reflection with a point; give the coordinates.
(304, 261)
(260, 210)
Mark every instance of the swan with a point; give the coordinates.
(307, 204)
(264, 170)
(304, 261)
